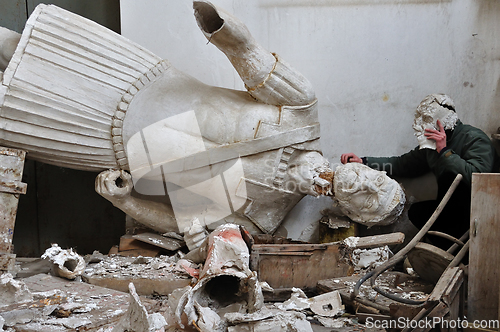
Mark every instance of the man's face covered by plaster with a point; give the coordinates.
(367, 196)
(434, 107)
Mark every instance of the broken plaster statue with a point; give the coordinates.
(77, 95)
(367, 196)
(225, 279)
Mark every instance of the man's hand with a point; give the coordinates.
(438, 136)
(350, 158)
(107, 186)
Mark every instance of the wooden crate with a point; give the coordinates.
(285, 265)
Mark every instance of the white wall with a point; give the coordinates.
(370, 61)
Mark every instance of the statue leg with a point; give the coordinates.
(8, 43)
(267, 77)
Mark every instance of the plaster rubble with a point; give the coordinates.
(13, 291)
(370, 258)
(137, 318)
(65, 263)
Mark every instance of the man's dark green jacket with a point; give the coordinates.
(468, 150)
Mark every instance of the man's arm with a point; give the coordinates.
(410, 164)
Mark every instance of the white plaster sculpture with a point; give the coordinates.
(367, 196)
(225, 279)
(434, 107)
(77, 95)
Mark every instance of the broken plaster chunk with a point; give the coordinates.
(65, 263)
(266, 287)
(185, 266)
(72, 323)
(297, 301)
(195, 234)
(208, 319)
(137, 319)
(334, 322)
(370, 258)
(351, 241)
(327, 304)
(13, 291)
(269, 320)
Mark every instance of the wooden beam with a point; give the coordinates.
(484, 252)
(380, 240)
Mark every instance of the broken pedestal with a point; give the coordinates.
(11, 173)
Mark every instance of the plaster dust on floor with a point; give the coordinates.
(45, 302)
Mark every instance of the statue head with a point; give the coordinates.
(434, 107)
(367, 196)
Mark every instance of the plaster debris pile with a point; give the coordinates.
(364, 259)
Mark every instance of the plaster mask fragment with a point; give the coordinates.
(367, 196)
(434, 107)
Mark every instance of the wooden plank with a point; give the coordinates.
(360, 243)
(287, 253)
(484, 252)
(454, 288)
(380, 240)
(160, 241)
(262, 248)
(440, 310)
(447, 278)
